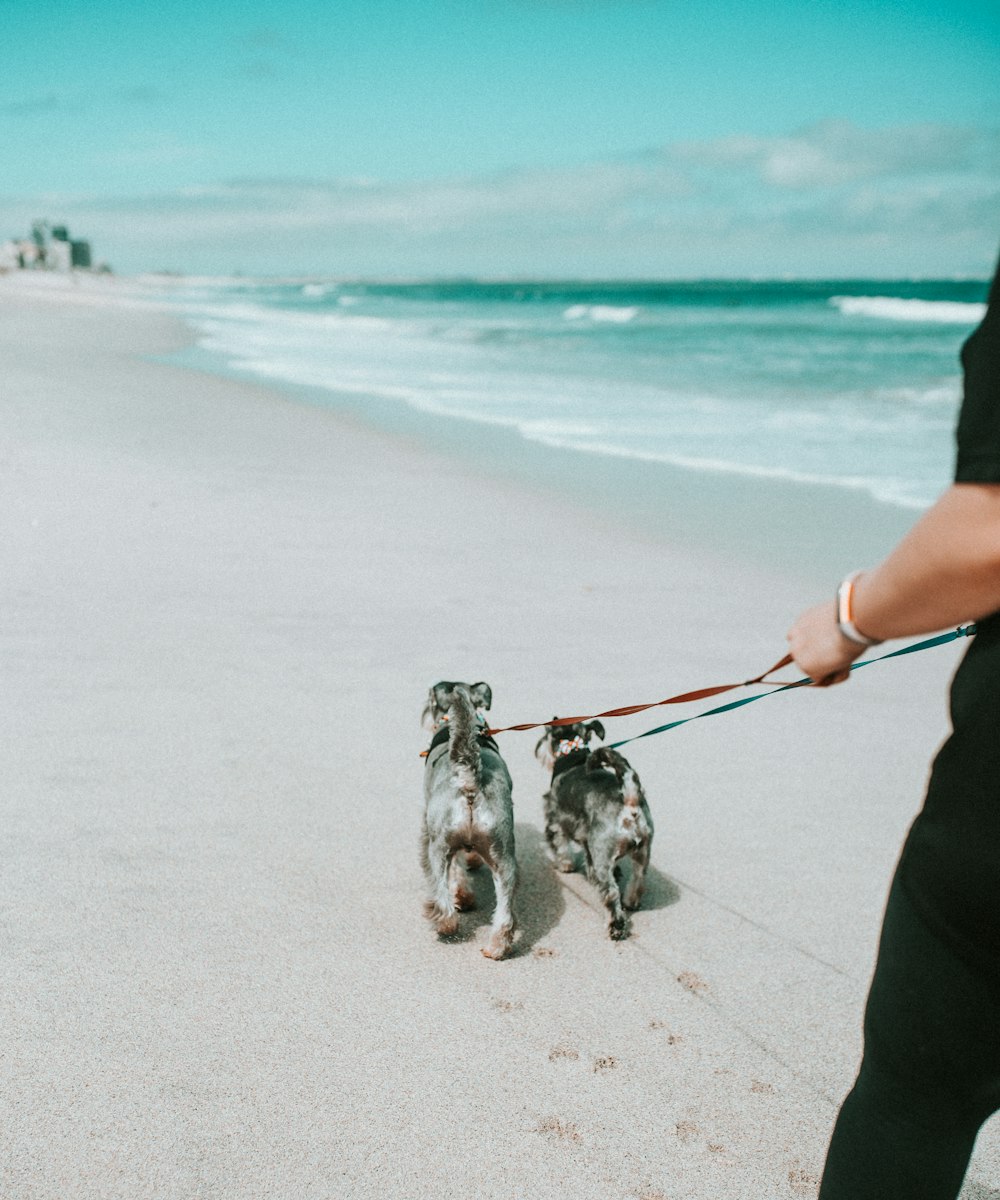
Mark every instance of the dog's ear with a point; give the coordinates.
(595, 727)
(543, 751)
(438, 703)
(482, 696)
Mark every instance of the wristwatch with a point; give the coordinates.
(845, 614)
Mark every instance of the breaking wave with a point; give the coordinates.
(894, 308)
(608, 313)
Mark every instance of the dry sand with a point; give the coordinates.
(221, 612)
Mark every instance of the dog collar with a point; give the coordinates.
(569, 761)
(442, 734)
(446, 719)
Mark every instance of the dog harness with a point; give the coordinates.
(443, 734)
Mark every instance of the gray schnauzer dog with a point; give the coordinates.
(595, 801)
(467, 811)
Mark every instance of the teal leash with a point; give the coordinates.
(941, 640)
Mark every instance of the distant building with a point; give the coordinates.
(10, 256)
(20, 254)
(59, 255)
(48, 248)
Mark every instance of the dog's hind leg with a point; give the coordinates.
(560, 848)
(462, 895)
(612, 898)
(603, 875)
(504, 868)
(640, 853)
(439, 906)
(640, 861)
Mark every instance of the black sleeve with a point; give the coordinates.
(979, 421)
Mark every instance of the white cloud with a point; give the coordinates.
(834, 152)
(812, 202)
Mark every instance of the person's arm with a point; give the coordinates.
(944, 572)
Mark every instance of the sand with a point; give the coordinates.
(222, 608)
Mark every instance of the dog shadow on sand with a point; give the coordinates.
(541, 894)
(659, 891)
(540, 901)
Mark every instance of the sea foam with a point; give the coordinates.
(608, 313)
(894, 308)
(784, 382)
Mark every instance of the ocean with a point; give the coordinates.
(852, 384)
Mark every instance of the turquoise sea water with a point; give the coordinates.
(852, 384)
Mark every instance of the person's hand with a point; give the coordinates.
(819, 648)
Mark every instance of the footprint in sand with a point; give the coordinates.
(508, 1006)
(563, 1052)
(692, 982)
(563, 1131)
(672, 1039)
(802, 1182)
(605, 1063)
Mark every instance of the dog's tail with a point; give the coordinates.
(463, 745)
(607, 759)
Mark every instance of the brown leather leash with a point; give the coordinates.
(776, 685)
(683, 698)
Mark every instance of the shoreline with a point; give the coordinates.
(811, 532)
(225, 607)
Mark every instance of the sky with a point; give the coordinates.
(508, 138)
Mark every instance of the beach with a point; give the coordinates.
(223, 606)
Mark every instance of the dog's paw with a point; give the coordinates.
(447, 926)
(618, 930)
(464, 899)
(499, 945)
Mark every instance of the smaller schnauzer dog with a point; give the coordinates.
(595, 801)
(467, 810)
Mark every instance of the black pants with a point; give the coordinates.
(930, 1075)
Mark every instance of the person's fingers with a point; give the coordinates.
(834, 677)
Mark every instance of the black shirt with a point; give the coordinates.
(978, 433)
(951, 863)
